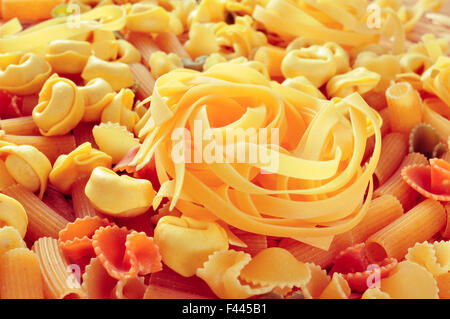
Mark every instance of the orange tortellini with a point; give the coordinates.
(23, 73)
(119, 110)
(185, 243)
(12, 214)
(119, 196)
(78, 163)
(97, 94)
(27, 166)
(117, 74)
(68, 56)
(60, 107)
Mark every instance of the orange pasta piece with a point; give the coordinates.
(404, 106)
(60, 280)
(83, 133)
(318, 282)
(169, 43)
(417, 225)
(382, 211)
(141, 223)
(255, 242)
(168, 284)
(443, 282)
(42, 220)
(20, 126)
(133, 288)
(143, 79)
(338, 288)
(446, 231)
(97, 283)
(20, 275)
(82, 206)
(51, 146)
(394, 148)
(386, 127)
(28, 10)
(396, 186)
(446, 156)
(144, 43)
(271, 57)
(58, 203)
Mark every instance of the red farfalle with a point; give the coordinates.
(75, 239)
(430, 181)
(10, 105)
(353, 264)
(124, 253)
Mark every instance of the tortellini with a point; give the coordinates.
(97, 94)
(23, 73)
(161, 63)
(60, 107)
(119, 196)
(68, 56)
(117, 74)
(202, 40)
(27, 166)
(120, 110)
(358, 80)
(186, 243)
(78, 163)
(13, 214)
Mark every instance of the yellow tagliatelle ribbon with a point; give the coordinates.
(317, 185)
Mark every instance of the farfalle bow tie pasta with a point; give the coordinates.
(293, 149)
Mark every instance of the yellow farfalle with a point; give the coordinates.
(186, 243)
(316, 63)
(436, 79)
(160, 63)
(119, 110)
(78, 163)
(148, 17)
(68, 56)
(23, 73)
(106, 136)
(358, 80)
(60, 107)
(119, 196)
(434, 257)
(27, 165)
(117, 74)
(238, 39)
(13, 214)
(97, 94)
(387, 66)
(202, 40)
(221, 273)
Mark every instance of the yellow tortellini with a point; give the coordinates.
(119, 196)
(161, 63)
(13, 214)
(10, 238)
(185, 243)
(119, 110)
(341, 57)
(437, 79)
(117, 74)
(415, 62)
(213, 59)
(60, 107)
(97, 94)
(202, 40)
(68, 56)
(358, 80)
(316, 63)
(104, 45)
(78, 163)
(148, 17)
(127, 53)
(27, 166)
(23, 73)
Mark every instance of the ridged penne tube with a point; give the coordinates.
(382, 211)
(396, 186)
(169, 43)
(417, 225)
(13, 214)
(394, 148)
(386, 127)
(60, 107)
(271, 57)
(20, 126)
(20, 275)
(50, 146)
(117, 74)
(446, 231)
(144, 43)
(61, 280)
(58, 202)
(144, 80)
(68, 56)
(81, 204)
(10, 238)
(42, 220)
(405, 107)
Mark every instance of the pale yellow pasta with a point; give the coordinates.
(148, 17)
(302, 84)
(61, 280)
(202, 40)
(127, 53)
(68, 56)
(10, 238)
(97, 93)
(393, 149)
(20, 275)
(358, 80)
(271, 57)
(375, 293)
(119, 196)
(119, 110)
(23, 125)
(160, 63)
(435, 257)
(117, 74)
(13, 214)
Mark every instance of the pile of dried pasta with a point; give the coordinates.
(98, 97)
